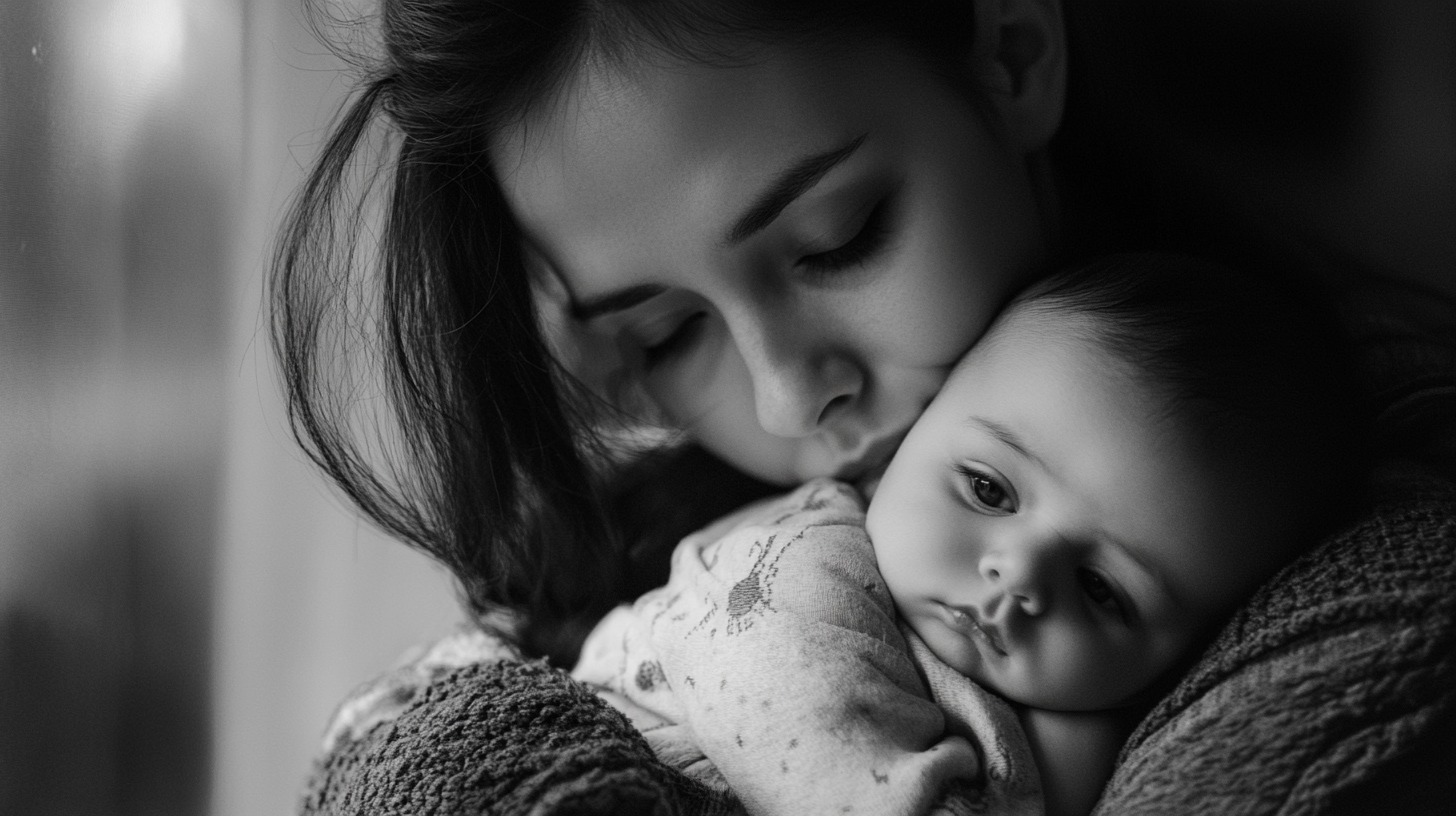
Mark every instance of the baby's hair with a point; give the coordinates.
(1254, 366)
(490, 461)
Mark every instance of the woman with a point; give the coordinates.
(768, 227)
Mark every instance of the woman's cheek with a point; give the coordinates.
(691, 385)
(707, 393)
(933, 308)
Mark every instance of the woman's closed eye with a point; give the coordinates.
(986, 490)
(867, 241)
(677, 340)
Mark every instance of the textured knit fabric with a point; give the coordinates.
(1330, 675)
(771, 663)
(467, 729)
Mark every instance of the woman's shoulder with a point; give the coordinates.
(380, 700)
(465, 726)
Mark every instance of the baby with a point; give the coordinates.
(1129, 451)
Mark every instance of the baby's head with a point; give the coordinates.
(1129, 451)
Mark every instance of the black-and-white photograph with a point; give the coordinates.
(727, 407)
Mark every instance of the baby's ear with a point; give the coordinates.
(1020, 62)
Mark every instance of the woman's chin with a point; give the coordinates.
(868, 484)
(870, 481)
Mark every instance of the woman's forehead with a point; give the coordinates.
(665, 90)
(615, 142)
(608, 116)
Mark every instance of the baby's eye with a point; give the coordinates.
(988, 492)
(678, 340)
(1100, 592)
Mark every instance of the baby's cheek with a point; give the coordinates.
(878, 523)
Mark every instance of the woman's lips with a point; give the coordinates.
(870, 466)
(965, 621)
(869, 482)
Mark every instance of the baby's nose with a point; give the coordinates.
(1021, 578)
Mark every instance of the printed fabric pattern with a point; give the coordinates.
(771, 664)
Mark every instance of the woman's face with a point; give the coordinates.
(785, 256)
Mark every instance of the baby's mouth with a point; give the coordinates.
(965, 620)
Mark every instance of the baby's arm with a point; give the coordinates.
(1075, 753)
(780, 646)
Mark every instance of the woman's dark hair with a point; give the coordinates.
(1254, 365)
(481, 451)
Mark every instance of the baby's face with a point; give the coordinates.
(1048, 530)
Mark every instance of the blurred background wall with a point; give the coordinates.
(182, 601)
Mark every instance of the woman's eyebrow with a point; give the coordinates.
(788, 186)
(617, 301)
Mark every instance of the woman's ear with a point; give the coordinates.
(1020, 61)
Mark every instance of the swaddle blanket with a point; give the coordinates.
(771, 664)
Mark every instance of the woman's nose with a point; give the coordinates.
(1022, 575)
(800, 380)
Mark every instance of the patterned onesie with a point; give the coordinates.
(772, 663)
